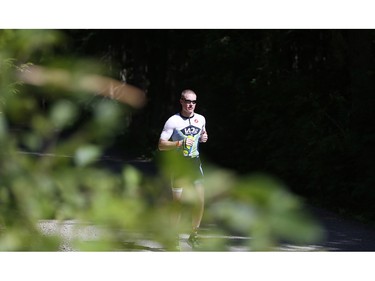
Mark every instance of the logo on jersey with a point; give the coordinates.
(190, 130)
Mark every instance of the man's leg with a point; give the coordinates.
(198, 209)
(176, 212)
(197, 215)
(176, 215)
(199, 188)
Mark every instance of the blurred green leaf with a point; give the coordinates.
(86, 155)
(63, 113)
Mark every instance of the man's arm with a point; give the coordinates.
(204, 135)
(168, 145)
(164, 141)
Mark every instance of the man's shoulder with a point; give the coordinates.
(173, 118)
(199, 116)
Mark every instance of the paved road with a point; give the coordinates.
(341, 235)
(344, 234)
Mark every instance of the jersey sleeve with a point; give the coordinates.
(167, 132)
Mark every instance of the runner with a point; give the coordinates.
(182, 134)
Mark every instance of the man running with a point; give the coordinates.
(182, 133)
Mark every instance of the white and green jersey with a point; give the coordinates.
(179, 127)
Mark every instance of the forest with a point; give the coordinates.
(289, 116)
(297, 104)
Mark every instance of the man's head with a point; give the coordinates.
(188, 101)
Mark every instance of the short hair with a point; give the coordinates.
(187, 91)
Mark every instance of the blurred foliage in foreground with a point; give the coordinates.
(52, 140)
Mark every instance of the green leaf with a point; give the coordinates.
(86, 155)
(63, 113)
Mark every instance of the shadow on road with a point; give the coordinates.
(343, 234)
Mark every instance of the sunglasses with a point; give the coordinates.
(190, 101)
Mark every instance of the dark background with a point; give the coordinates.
(296, 104)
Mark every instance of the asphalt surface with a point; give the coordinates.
(341, 235)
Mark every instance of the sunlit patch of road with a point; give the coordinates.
(70, 230)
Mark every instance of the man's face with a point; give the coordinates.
(188, 102)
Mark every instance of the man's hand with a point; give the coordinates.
(189, 141)
(204, 137)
